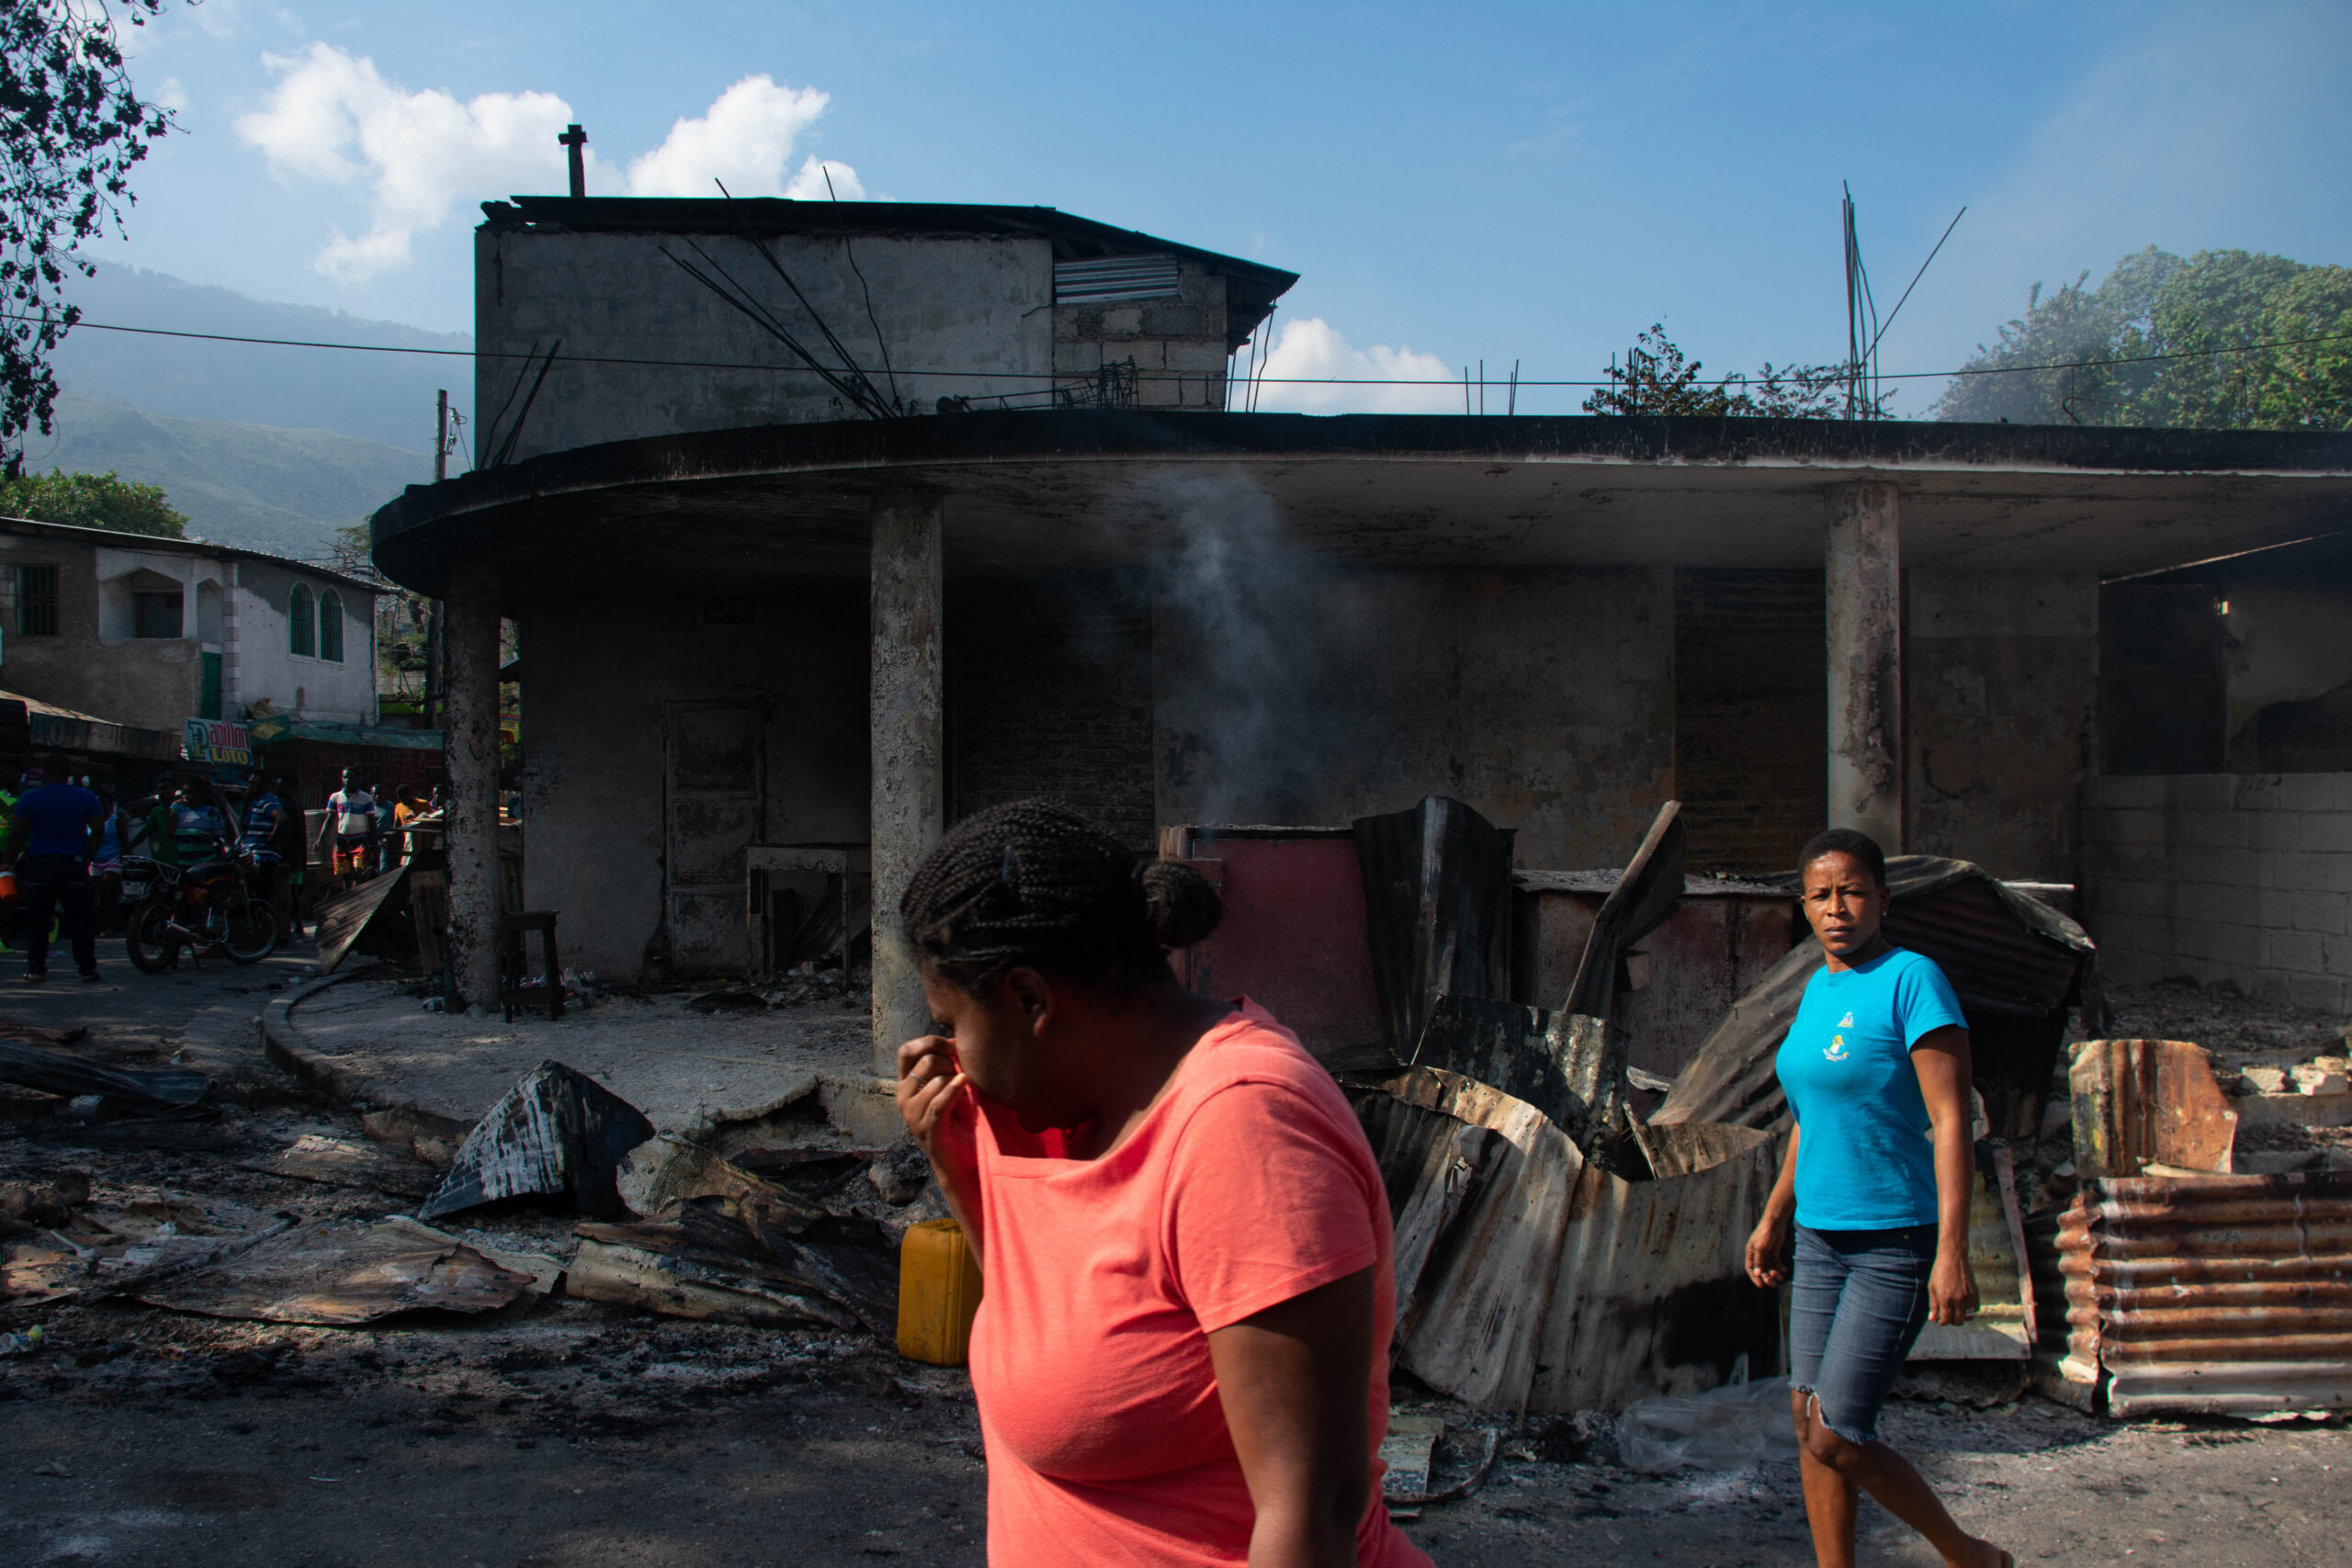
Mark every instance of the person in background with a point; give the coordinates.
(198, 827)
(293, 853)
(387, 853)
(150, 830)
(1189, 1288)
(406, 809)
(105, 861)
(265, 829)
(52, 836)
(351, 818)
(1876, 1187)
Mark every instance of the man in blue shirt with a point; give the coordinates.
(53, 835)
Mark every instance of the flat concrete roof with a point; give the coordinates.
(752, 509)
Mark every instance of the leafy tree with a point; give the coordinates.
(92, 501)
(70, 129)
(2223, 340)
(1658, 378)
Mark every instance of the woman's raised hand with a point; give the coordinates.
(929, 1086)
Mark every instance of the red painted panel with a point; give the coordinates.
(1293, 939)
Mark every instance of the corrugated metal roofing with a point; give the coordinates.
(2212, 1295)
(1115, 278)
(1531, 1279)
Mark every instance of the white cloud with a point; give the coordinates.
(1310, 348)
(825, 180)
(334, 119)
(169, 96)
(745, 138)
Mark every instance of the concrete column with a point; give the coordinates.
(469, 733)
(1864, 578)
(909, 780)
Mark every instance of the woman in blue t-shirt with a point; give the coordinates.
(1876, 1184)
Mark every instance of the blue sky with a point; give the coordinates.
(1454, 182)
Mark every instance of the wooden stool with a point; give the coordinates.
(515, 965)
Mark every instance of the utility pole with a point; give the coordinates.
(431, 704)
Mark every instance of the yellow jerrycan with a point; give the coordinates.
(939, 1291)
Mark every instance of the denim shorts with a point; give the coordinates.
(1857, 1303)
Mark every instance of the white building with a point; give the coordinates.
(151, 632)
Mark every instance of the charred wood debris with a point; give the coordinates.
(2162, 1226)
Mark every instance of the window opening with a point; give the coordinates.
(302, 622)
(36, 601)
(155, 614)
(330, 625)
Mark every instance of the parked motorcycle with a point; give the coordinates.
(202, 907)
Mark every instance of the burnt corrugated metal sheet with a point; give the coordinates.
(1529, 1279)
(1652, 1294)
(2212, 1295)
(1437, 909)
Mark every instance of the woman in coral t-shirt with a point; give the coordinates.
(1182, 1351)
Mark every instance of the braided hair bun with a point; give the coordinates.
(1034, 884)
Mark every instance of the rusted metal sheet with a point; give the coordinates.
(2215, 1294)
(2141, 1102)
(1293, 935)
(1640, 902)
(1558, 1285)
(1716, 944)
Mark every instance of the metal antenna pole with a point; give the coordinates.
(1853, 333)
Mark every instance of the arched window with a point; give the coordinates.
(303, 622)
(330, 625)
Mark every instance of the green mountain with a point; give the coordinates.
(255, 485)
(377, 396)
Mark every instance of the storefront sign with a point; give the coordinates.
(217, 743)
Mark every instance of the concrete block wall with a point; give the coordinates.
(2244, 877)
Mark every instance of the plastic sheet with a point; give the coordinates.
(1730, 1428)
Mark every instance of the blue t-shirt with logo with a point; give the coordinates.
(58, 817)
(1866, 1155)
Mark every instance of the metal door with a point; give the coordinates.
(711, 809)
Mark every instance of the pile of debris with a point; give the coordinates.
(782, 1235)
(1558, 1248)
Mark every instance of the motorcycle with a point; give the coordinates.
(203, 907)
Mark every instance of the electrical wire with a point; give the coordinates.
(1268, 380)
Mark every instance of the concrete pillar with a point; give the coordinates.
(908, 778)
(1864, 579)
(469, 733)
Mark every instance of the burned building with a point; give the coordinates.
(826, 524)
